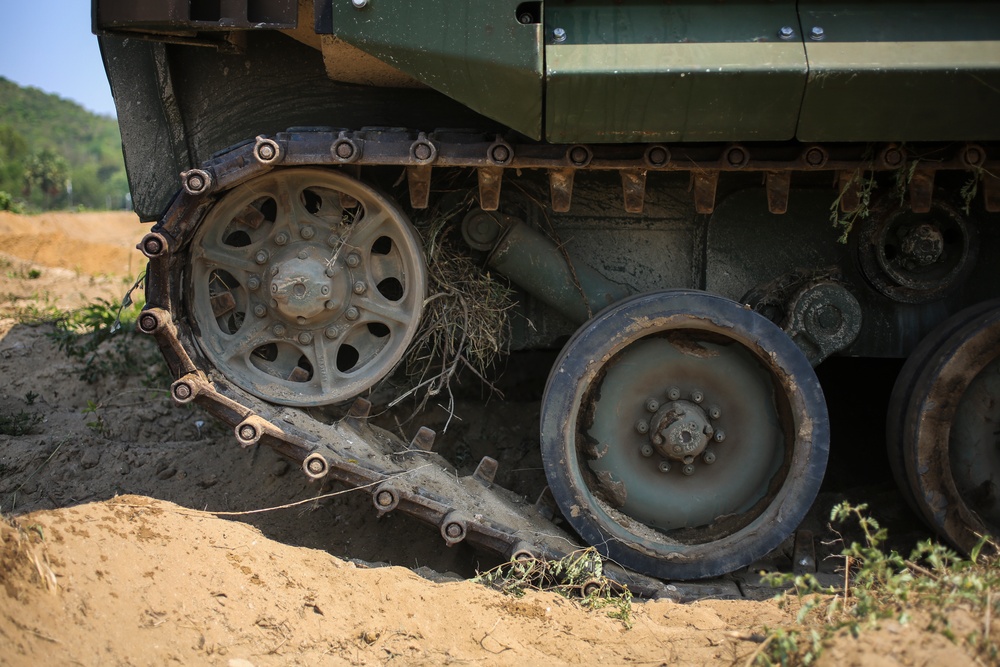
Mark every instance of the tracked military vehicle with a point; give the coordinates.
(696, 202)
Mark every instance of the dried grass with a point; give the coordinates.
(466, 319)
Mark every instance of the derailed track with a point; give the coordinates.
(409, 477)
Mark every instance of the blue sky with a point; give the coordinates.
(47, 44)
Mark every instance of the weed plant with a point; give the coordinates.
(579, 576)
(932, 582)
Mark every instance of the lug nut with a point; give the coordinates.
(352, 313)
(261, 257)
(305, 338)
(720, 435)
(281, 238)
(307, 232)
(642, 427)
(260, 310)
(714, 412)
(359, 287)
(652, 405)
(673, 393)
(278, 330)
(697, 396)
(688, 469)
(330, 305)
(708, 457)
(253, 282)
(646, 450)
(331, 332)
(664, 466)
(353, 260)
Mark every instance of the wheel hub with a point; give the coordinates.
(304, 285)
(681, 430)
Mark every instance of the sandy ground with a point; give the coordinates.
(109, 557)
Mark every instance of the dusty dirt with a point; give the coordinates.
(108, 555)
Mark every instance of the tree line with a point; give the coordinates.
(54, 154)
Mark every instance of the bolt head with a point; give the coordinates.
(664, 466)
(500, 153)
(708, 457)
(688, 469)
(353, 260)
(786, 32)
(278, 330)
(260, 310)
(652, 405)
(266, 152)
(281, 238)
(817, 33)
(642, 426)
(331, 332)
(261, 257)
(714, 412)
(422, 151)
(248, 432)
(720, 435)
(673, 393)
(308, 232)
(352, 313)
(646, 450)
(360, 287)
(330, 304)
(359, 4)
(697, 396)
(253, 282)
(305, 338)
(182, 391)
(316, 466)
(559, 35)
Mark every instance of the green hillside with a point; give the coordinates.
(55, 154)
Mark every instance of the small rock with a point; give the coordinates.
(280, 468)
(123, 468)
(167, 472)
(208, 482)
(91, 457)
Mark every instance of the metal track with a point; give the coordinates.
(411, 478)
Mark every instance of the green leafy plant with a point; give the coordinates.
(578, 575)
(845, 220)
(20, 423)
(880, 585)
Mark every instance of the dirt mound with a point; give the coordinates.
(107, 558)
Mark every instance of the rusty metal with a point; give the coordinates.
(778, 183)
(490, 180)
(633, 189)
(921, 189)
(424, 439)
(418, 179)
(561, 187)
(849, 186)
(823, 318)
(704, 185)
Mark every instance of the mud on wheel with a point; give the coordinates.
(683, 435)
(306, 286)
